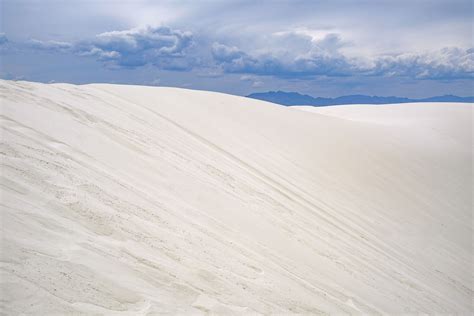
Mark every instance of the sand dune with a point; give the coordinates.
(130, 200)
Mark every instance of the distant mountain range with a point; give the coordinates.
(294, 98)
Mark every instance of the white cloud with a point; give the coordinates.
(49, 45)
(257, 84)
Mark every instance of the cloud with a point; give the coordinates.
(211, 73)
(5, 44)
(10, 76)
(155, 82)
(223, 53)
(160, 46)
(447, 63)
(299, 53)
(255, 82)
(49, 45)
(234, 60)
(324, 57)
(3, 39)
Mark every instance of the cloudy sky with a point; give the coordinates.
(324, 48)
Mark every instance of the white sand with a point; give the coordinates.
(131, 200)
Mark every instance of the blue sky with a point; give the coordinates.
(323, 48)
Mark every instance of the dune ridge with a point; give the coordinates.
(132, 200)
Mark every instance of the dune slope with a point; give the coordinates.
(132, 200)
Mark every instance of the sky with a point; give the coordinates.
(408, 48)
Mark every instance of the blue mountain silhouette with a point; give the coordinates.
(294, 98)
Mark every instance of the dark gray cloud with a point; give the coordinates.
(234, 60)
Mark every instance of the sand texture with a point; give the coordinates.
(128, 200)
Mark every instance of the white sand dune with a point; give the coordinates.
(130, 200)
